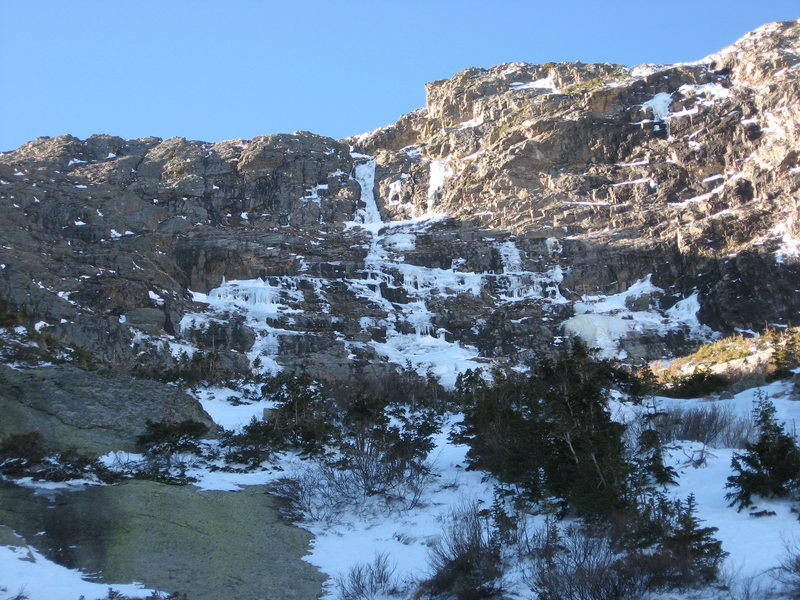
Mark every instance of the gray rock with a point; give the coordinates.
(89, 411)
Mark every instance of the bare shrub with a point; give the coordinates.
(788, 571)
(570, 565)
(465, 559)
(310, 496)
(323, 491)
(714, 425)
(367, 581)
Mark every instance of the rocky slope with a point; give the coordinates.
(639, 208)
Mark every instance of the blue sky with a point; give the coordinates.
(240, 68)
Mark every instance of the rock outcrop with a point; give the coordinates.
(87, 411)
(639, 208)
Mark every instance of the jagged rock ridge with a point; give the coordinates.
(635, 207)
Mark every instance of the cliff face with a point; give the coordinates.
(639, 208)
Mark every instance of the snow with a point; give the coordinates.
(713, 178)
(400, 241)
(426, 353)
(546, 84)
(659, 104)
(711, 91)
(439, 171)
(755, 544)
(406, 533)
(789, 244)
(646, 180)
(259, 302)
(637, 163)
(686, 312)
(368, 217)
(227, 409)
(603, 322)
(25, 570)
(359, 531)
(471, 123)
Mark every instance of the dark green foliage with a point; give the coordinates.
(700, 383)
(166, 437)
(10, 317)
(550, 433)
(383, 448)
(253, 444)
(769, 467)
(786, 355)
(651, 456)
(694, 553)
(303, 417)
(166, 445)
(27, 455)
(20, 452)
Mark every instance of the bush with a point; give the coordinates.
(550, 432)
(788, 572)
(694, 553)
(21, 451)
(170, 437)
(466, 559)
(769, 467)
(714, 425)
(165, 445)
(252, 445)
(368, 581)
(700, 383)
(26, 455)
(303, 418)
(575, 566)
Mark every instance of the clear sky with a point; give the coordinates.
(225, 69)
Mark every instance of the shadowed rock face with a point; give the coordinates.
(88, 411)
(553, 182)
(210, 545)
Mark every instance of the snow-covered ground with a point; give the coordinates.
(404, 533)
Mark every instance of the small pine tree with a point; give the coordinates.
(770, 467)
(696, 553)
(784, 358)
(651, 451)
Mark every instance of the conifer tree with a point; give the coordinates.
(770, 467)
(696, 553)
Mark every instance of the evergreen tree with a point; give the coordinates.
(550, 433)
(586, 465)
(770, 467)
(696, 553)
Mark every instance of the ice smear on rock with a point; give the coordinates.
(603, 322)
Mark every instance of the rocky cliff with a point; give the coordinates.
(642, 209)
